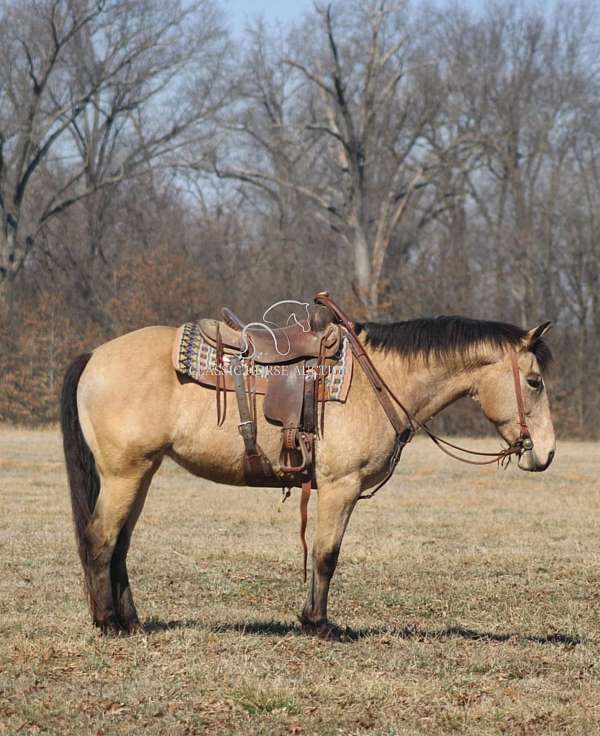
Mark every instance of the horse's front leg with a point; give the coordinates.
(335, 504)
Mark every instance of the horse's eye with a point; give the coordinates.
(535, 382)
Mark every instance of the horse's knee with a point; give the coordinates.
(99, 546)
(327, 562)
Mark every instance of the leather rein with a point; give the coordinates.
(524, 442)
(387, 398)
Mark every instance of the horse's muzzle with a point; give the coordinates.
(528, 460)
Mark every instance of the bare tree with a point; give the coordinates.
(93, 92)
(341, 120)
(521, 75)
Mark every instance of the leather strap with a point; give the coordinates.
(220, 381)
(400, 443)
(257, 466)
(304, 499)
(320, 391)
(525, 434)
(246, 427)
(232, 320)
(382, 390)
(496, 457)
(311, 381)
(258, 470)
(523, 443)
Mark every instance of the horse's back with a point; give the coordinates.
(148, 341)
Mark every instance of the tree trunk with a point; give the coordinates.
(7, 267)
(366, 290)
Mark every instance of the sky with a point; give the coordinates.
(240, 11)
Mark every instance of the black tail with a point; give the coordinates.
(81, 467)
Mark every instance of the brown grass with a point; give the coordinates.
(474, 592)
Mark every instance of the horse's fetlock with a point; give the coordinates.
(311, 625)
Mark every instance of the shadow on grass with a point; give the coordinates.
(459, 632)
(281, 628)
(156, 625)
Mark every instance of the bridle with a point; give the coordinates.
(387, 398)
(524, 442)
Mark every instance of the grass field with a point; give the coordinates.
(474, 594)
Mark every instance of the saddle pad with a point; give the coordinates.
(194, 357)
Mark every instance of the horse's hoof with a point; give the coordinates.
(110, 626)
(329, 632)
(311, 627)
(134, 627)
(326, 631)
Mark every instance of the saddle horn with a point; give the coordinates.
(232, 320)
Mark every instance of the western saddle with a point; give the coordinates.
(286, 365)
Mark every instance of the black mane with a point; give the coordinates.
(448, 337)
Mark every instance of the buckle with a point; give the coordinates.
(527, 444)
(246, 429)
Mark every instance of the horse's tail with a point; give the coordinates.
(81, 466)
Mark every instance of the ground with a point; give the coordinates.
(474, 595)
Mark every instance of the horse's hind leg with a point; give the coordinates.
(119, 499)
(121, 588)
(334, 507)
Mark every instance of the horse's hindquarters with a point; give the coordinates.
(126, 400)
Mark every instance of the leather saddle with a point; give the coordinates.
(286, 364)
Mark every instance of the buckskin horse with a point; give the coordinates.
(124, 408)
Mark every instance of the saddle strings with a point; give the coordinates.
(264, 325)
(220, 380)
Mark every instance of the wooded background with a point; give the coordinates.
(413, 159)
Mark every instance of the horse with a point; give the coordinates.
(124, 409)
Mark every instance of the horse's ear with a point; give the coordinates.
(536, 334)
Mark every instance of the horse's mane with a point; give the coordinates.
(449, 338)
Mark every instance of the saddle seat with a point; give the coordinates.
(314, 337)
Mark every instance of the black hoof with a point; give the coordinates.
(134, 627)
(110, 626)
(326, 631)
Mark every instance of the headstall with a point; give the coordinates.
(387, 398)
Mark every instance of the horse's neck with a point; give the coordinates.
(424, 389)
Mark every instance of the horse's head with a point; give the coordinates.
(497, 391)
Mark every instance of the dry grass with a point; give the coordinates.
(474, 592)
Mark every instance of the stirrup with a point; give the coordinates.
(293, 441)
